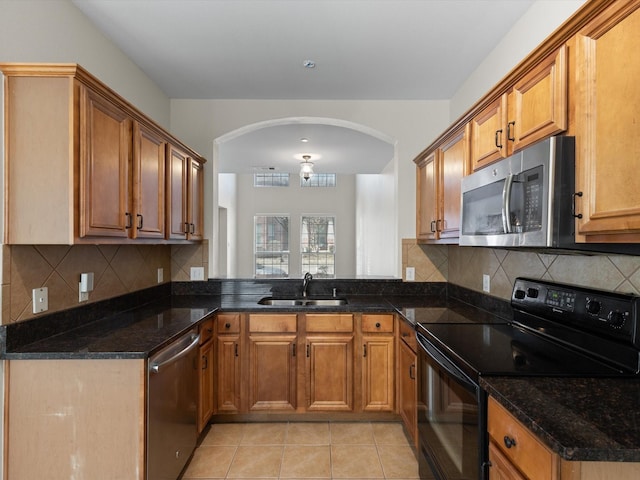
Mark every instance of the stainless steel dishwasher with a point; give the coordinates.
(172, 407)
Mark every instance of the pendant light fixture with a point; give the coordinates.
(306, 168)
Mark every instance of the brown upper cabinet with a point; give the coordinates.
(607, 100)
(533, 109)
(185, 193)
(438, 188)
(83, 165)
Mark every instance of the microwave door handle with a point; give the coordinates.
(506, 203)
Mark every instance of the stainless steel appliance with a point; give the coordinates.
(525, 200)
(556, 330)
(172, 407)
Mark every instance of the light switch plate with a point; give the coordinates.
(83, 295)
(40, 299)
(160, 275)
(486, 283)
(197, 273)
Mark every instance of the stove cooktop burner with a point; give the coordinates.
(557, 330)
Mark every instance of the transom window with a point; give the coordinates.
(319, 180)
(270, 179)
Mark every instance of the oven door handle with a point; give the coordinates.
(447, 365)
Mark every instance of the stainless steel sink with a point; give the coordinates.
(303, 302)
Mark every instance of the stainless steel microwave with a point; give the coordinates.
(526, 200)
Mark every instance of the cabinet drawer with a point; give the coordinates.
(408, 334)
(329, 322)
(206, 330)
(527, 453)
(377, 323)
(273, 323)
(228, 323)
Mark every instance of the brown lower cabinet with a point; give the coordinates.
(516, 453)
(407, 380)
(305, 362)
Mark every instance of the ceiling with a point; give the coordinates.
(256, 49)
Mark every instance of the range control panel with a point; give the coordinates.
(601, 311)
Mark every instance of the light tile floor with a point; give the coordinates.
(296, 450)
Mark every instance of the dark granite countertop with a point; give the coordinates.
(581, 419)
(136, 333)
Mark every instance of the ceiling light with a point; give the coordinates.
(306, 168)
(304, 140)
(309, 64)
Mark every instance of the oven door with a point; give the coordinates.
(452, 422)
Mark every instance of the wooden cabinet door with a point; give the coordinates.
(149, 152)
(500, 466)
(488, 134)
(427, 198)
(177, 178)
(454, 160)
(408, 390)
(105, 154)
(205, 385)
(378, 373)
(329, 372)
(607, 126)
(538, 103)
(195, 213)
(227, 376)
(272, 372)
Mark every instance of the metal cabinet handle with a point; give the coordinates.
(227, 325)
(510, 134)
(509, 442)
(129, 220)
(140, 221)
(377, 324)
(186, 227)
(236, 349)
(498, 134)
(412, 371)
(365, 349)
(573, 204)
(293, 353)
(439, 225)
(205, 362)
(193, 228)
(433, 226)
(308, 351)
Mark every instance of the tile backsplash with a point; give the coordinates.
(118, 269)
(465, 266)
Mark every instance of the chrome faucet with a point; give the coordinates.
(305, 283)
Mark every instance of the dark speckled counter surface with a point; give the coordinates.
(136, 333)
(581, 419)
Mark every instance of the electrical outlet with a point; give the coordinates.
(197, 273)
(486, 283)
(40, 299)
(410, 274)
(83, 296)
(160, 275)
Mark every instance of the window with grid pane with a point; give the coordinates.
(318, 245)
(270, 179)
(319, 180)
(271, 246)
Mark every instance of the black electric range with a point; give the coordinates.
(556, 330)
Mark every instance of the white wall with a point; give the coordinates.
(542, 19)
(412, 124)
(296, 201)
(56, 31)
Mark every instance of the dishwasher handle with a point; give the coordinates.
(195, 340)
